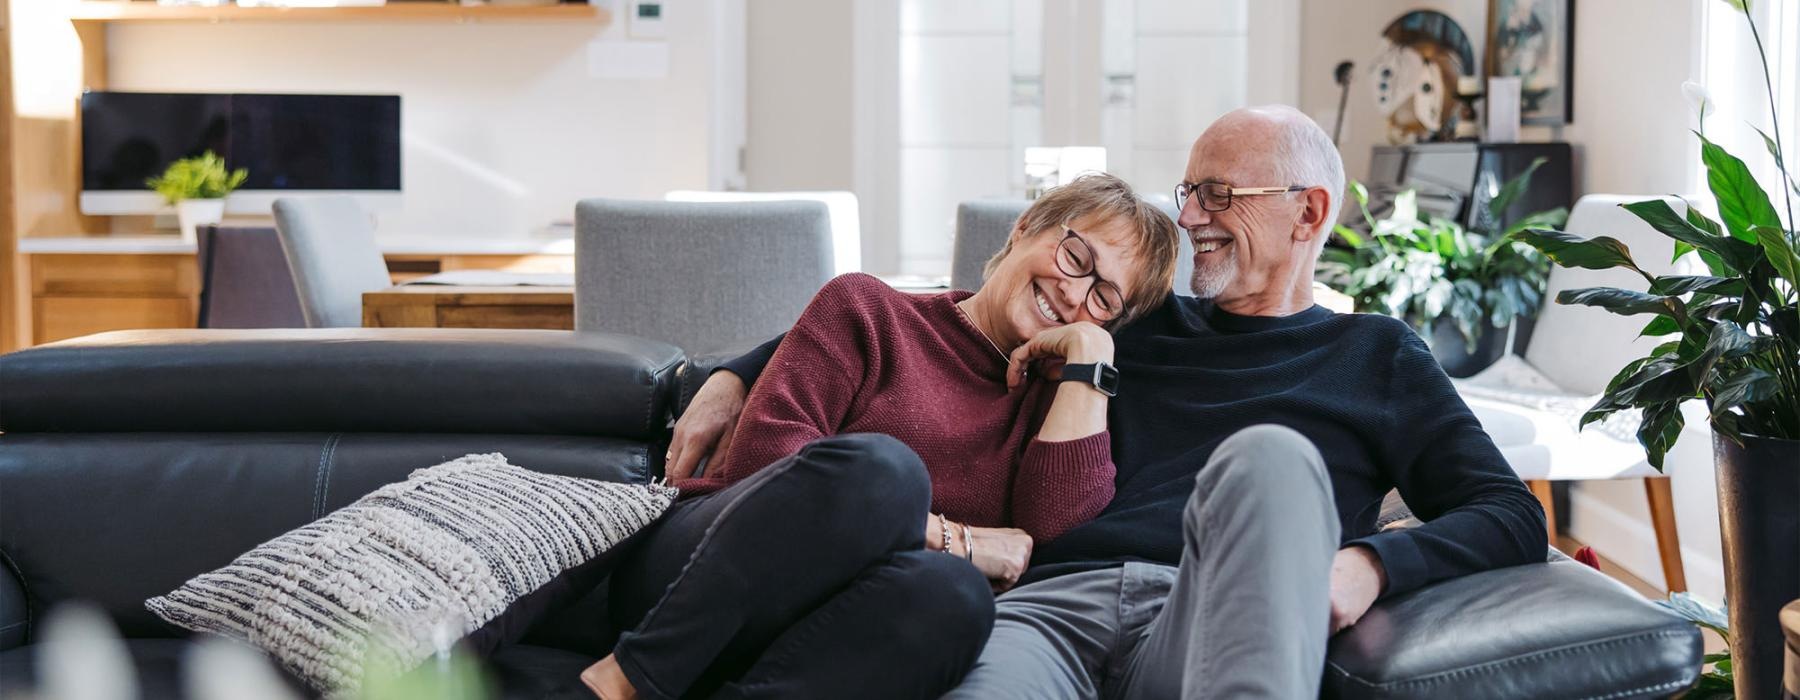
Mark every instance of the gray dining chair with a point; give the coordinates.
(244, 279)
(982, 226)
(699, 275)
(330, 246)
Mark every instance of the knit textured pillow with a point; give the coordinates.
(386, 579)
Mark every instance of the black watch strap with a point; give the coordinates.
(1100, 375)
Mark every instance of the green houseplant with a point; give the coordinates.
(196, 187)
(1433, 273)
(1734, 343)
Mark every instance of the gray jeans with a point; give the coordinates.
(1245, 615)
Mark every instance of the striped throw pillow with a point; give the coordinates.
(410, 567)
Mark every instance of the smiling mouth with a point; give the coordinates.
(1043, 306)
(1210, 245)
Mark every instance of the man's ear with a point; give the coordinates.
(1312, 224)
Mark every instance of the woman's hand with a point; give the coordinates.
(1001, 553)
(1079, 342)
(704, 430)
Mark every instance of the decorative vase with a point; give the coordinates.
(1459, 360)
(191, 214)
(1759, 528)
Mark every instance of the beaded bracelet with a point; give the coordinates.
(944, 526)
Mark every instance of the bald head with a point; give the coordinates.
(1255, 247)
(1280, 143)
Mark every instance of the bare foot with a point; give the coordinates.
(608, 681)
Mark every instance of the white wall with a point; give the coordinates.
(503, 127)
(1630, 136)
(800, 101)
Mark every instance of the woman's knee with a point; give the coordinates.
(875, 475)
(946, 607)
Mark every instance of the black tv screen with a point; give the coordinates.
(287, 142)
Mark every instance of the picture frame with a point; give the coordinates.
(1534, 40)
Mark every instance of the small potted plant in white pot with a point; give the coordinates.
(196, 187)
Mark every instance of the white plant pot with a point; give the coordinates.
(191, 214)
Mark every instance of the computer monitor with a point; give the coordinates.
(290, 144)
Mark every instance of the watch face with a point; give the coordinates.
(1108, 379)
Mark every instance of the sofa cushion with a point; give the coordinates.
(1558, 629)
(115, 518)
(407, 380)
(411, 567)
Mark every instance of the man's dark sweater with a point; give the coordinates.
(1363, 388)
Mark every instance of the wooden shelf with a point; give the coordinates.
(109, 11)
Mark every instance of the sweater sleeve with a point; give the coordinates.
(749, 366)
(1477, 514)
(1061, 484)
(806, 390)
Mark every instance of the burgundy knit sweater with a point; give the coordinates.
(866, 358)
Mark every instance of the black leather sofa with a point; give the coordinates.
(131, 461)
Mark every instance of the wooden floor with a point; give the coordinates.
(1569, 545)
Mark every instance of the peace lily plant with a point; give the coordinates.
(1733, 341)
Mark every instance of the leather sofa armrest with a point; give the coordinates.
(397, 380)
(15, 607)
(1557, 629)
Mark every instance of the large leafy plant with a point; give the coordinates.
(200, 177)
(1736, 330)
(1425, 269)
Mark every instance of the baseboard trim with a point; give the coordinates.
(1630, 542)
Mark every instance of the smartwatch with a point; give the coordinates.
(1101, 375)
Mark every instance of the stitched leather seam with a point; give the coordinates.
(1491, 666)
(24, 588)
(322, 483)
(650, 396)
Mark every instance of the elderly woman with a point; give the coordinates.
(894, 464)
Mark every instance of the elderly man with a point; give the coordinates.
(1255, 435)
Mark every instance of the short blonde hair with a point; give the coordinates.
(1154, 238)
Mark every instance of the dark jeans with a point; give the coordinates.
(808, 579)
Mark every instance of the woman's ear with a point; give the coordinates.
(1018, 233)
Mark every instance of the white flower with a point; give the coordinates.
(1697, 97)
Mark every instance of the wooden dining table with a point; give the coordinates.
(473, 300)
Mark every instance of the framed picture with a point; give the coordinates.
(1534, 40)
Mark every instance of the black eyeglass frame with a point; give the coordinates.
(1220, 189)
(1094, 301)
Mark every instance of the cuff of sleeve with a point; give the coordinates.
(1400, 560)
(743, 367)
(1078, 456)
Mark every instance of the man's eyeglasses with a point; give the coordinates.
(1075, 258)
(1216, 196)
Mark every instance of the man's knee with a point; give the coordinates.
(1258, 463)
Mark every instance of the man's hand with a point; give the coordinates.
(1357, 579)
(705, 427)
(1076, 343)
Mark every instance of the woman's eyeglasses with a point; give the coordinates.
(1075, 258)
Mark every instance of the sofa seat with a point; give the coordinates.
(521, 672)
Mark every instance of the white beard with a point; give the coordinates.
(1211, 278)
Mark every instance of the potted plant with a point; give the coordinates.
(196, 187)
(1449, 283)
(1734, 342)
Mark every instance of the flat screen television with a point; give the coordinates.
(291, 145)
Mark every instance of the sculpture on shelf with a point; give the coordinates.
(1417, 76)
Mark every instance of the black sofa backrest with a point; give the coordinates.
(132, 461)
